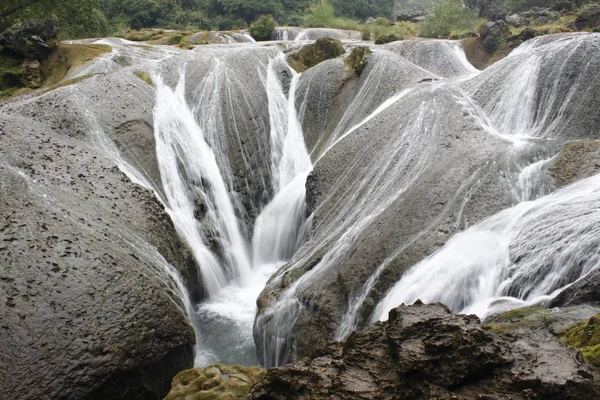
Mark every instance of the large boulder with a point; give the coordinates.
(89, 309)
(92, 268)
(34, 39)
(424, 352)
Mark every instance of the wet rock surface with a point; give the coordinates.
(349, 262)
(89, 308)
(425, 352)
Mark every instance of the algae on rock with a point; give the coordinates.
(585, 336)
(357, 60)
(216, 382)
(313, 54)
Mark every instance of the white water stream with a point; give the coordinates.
(190, 168)
(488, 267)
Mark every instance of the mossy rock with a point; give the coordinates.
(585, 336)
(175, 39)
(357, 60)
(312, 54)
(68, 83)
(145, 77)
(68, 56)
(383, 39)
(510, 322)
(216, 382)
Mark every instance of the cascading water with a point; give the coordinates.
(518, 257)
(529, 253)
(193, 171)
(403, 121)
(518, 109)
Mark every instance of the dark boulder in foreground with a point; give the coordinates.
(425, 352)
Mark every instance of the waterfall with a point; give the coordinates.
(186, 164)
(195, 173)
(392, 135)
(521, 256)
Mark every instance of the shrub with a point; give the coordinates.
(406, 28)
(263, 27)
(320, 14)
(295, 20)
(446, 17)
(312, 54)
(176, 38)
(381, 21)
(382, 39)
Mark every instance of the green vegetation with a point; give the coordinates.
(312, 54)
(512, 321)
(12, 75)
(144, 20)
(391, 37)
(78, 18)
(145, 77)
(263, 28)
(175, 38)
(356, 61)
(215, 382)
(447, 16)
(585, 336)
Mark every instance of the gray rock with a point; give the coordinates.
(588, 18)
(514, 20)
(542, 20)
(563, 5)
(89, 309)
(493, 33)
(424, 352)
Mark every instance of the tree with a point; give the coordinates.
(77, 18)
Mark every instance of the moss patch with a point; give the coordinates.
(357, 60)
(391, 37)
(312, 54)
(68, 83)
(175, 39)
(145, 77)
(216, 382)
(521, 318)
(585, 336)
(67, 57)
